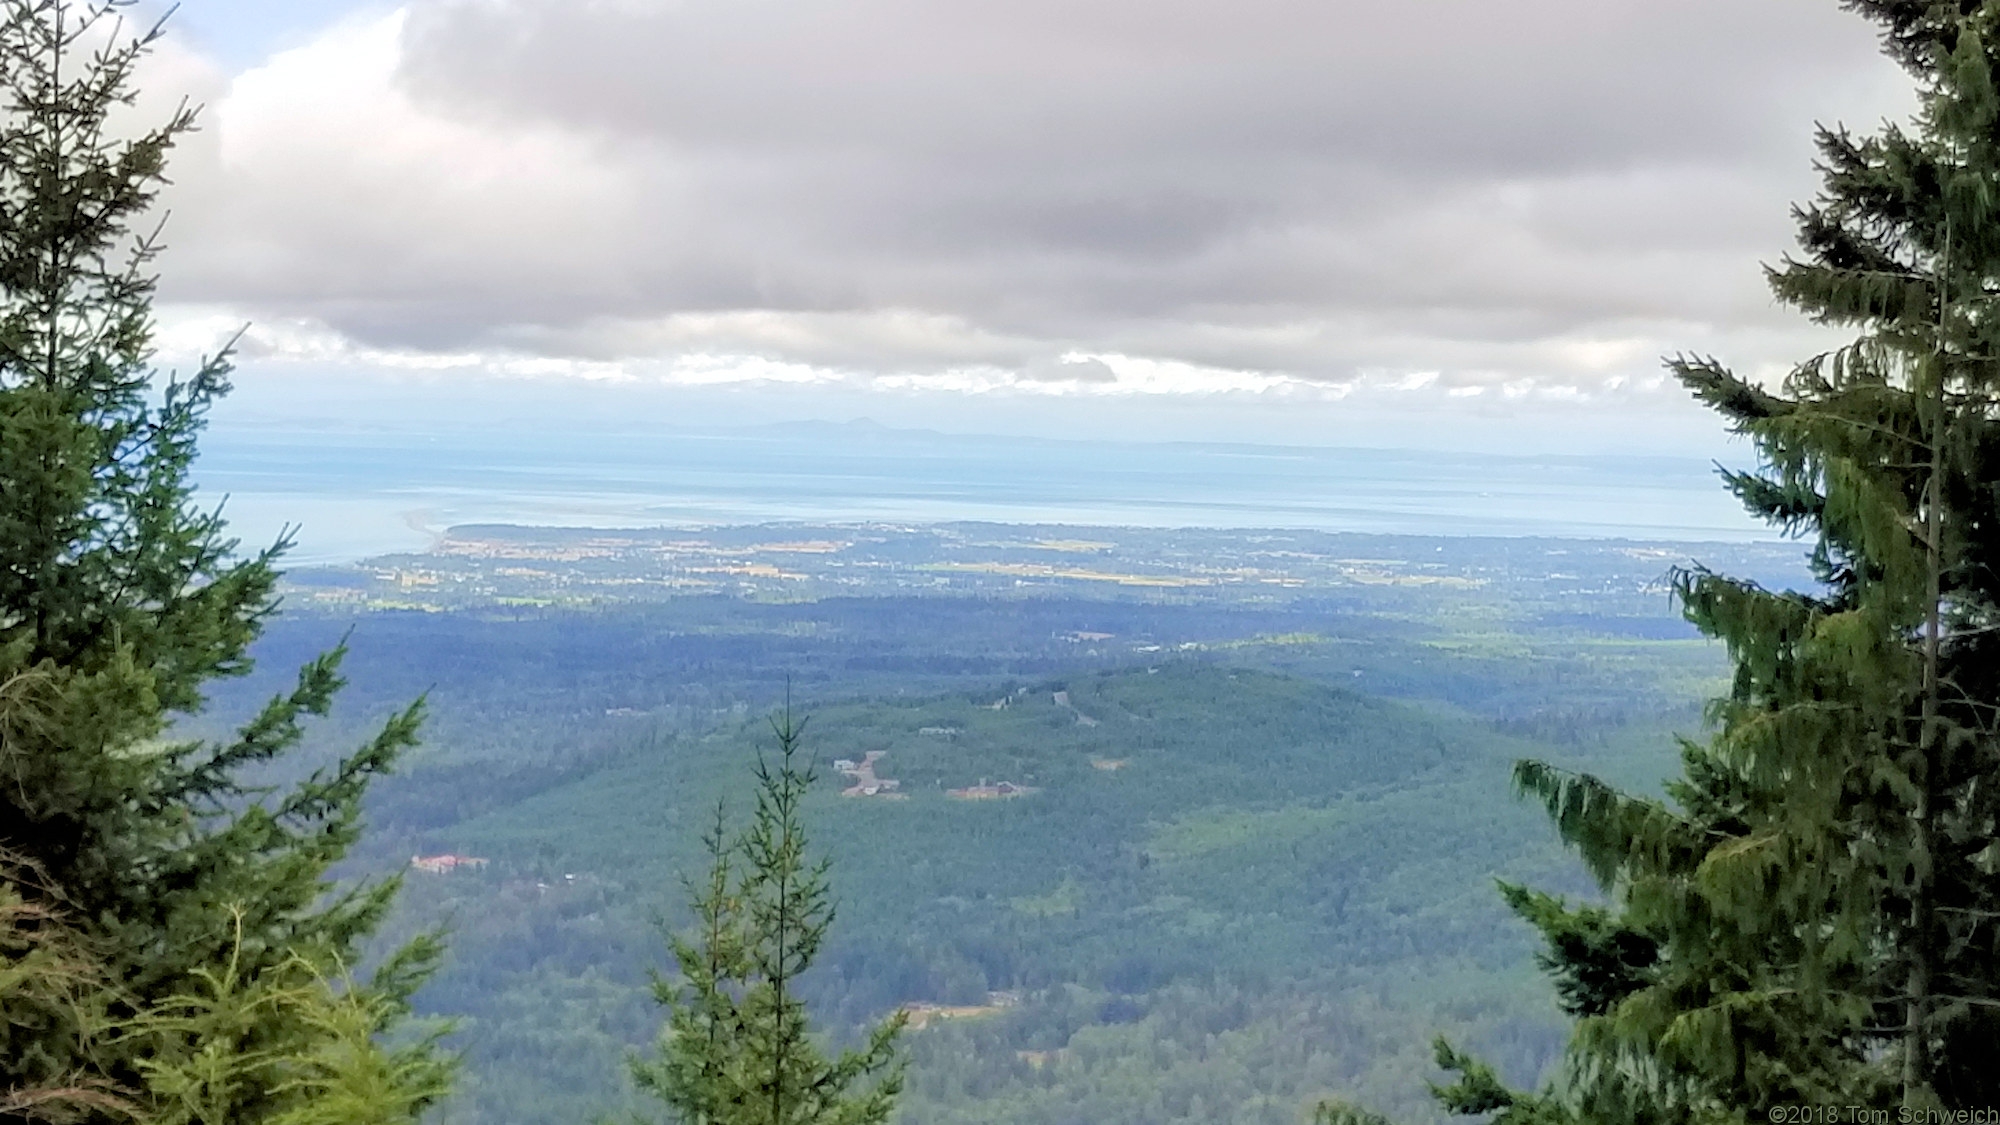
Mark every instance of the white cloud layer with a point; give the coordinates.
(1456, 198)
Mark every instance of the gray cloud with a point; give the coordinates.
(1546, 188)
(1069, 371)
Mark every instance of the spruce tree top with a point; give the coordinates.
(1822, 890)
(102, 548)
(1812, 917)
(120, 593)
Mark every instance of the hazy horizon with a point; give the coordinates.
(362, 491)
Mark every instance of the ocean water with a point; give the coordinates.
(352, 493)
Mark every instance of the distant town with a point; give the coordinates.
(527, 566)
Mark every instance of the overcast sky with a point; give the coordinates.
(1285, 218)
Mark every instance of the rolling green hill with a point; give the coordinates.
(1219, 881)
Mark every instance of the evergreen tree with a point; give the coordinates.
(48, 981)
(120, 597)
(695, 1063)
(738, 1047)
(193, 1050)
(200, 1049)
(1812, 917)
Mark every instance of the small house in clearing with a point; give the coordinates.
(445, 864)
(861, 775)
(985, 792)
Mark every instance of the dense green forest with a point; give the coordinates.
(1255, 869)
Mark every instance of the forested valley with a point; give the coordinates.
(1250, 864)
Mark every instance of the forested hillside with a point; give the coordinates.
(1250, 864)
(1188, 837)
